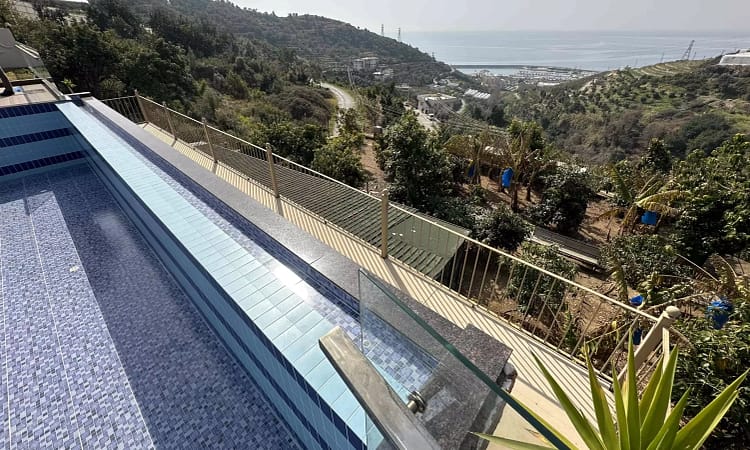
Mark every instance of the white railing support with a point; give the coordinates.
(169, 122)
(272, 170)
(208, 140)
(384, 224)
(140, 105)
(653, 338)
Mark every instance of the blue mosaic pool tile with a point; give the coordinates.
(191, 392)
(41, 410)
(394, 352)
(108, 415)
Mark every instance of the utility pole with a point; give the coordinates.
(399, 34)
(382, 30)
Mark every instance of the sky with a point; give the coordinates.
(574, 15)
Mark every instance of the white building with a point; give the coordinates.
(438, 104)
(369, 63)
(737, 59)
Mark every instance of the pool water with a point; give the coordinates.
(100, 347)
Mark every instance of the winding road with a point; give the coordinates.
(343, 98)
(344, 101)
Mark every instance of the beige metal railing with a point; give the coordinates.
(557, 311)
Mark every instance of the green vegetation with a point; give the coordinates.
(502, 228)
(649, 422)
(339, 158)
(531, 291)
(615, 115)
(716, 357)
(567, 192)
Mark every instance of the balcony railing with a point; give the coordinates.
(559, 312)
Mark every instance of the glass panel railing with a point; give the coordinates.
(422, 357)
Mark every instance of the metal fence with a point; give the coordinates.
(557, 311)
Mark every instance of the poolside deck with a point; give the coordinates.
(530, 388)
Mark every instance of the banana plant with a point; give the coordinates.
(645, 424)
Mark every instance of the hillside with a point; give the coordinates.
(613, 115)
(328, 42)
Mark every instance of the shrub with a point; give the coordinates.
(711, 363)
(640, 257)
(531, 288)
(503, 228)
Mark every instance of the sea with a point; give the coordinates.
(590, 50)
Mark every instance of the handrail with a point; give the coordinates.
(563, 314)
(276, 156)
(542, 270)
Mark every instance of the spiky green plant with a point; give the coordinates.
(645, 424)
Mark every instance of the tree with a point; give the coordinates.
(113, 15)
(635, 192)
(339, 159)
(417, 169)
(525, 142)
(296, 142)
(657, 157)
(503, 228)
(157, 69)
(715, 357)
(349, 125)
(645, 262)
(716, 204)
(80, 53)
(567, 192)
(497, 116)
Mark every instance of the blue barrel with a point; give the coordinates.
(719, 311)
(472, 169)
(650, 218)
(507, 177)
(636, 301)
(637, 335)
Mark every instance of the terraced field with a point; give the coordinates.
(670, 68)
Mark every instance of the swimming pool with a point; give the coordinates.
(141, 280)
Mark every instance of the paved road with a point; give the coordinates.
(343, 98)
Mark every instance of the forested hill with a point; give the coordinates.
(689, 104)
(324, 40)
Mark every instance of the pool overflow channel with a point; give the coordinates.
(268, 317)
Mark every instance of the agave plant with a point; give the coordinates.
(645, 424)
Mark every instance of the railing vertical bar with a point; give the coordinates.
(272, 171)
(384, 224)
(557, 313)
(474, 273)
(497, 275)
(586, 328)
(532, 296)
(140, 106)
(617, 346)
(463, 268)
(544, 305)
(169, 122)
(484, 277)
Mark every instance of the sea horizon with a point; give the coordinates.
(586, 50)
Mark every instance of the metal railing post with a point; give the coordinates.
(272, 170)
(653, 338)
(169, 122)
(384, 224)
(140, 105)
(208, 140)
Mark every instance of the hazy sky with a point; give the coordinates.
(433, 15)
